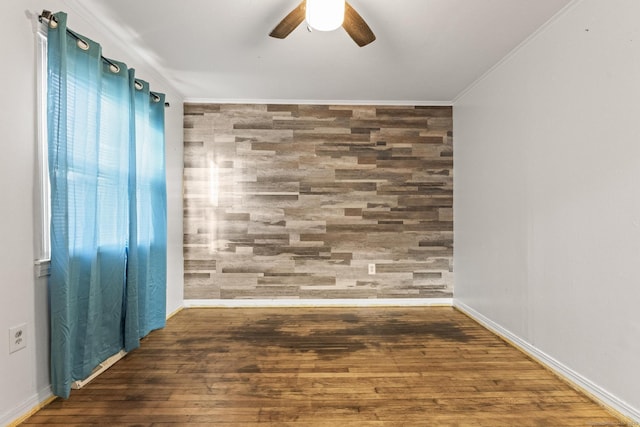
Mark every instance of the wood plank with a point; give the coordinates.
(385, 173)
(325, 367)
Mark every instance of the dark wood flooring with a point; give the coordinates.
(325, 367)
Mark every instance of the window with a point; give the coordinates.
(42, 193)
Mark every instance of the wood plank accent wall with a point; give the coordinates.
(295, 201)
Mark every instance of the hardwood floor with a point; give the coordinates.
(325, 367)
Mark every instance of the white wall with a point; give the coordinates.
(547, 196)
(24, 375)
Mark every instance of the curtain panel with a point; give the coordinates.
(107, 282)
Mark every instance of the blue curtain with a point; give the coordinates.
(107, 281)
(146, 274)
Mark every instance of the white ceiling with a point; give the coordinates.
(427, 51)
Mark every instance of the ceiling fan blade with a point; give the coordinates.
(355, 26)
(290, 22)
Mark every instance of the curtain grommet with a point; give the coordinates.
(82, 44)
(114, 68)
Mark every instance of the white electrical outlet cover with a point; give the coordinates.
(17, 338)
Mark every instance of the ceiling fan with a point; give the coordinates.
(353, 24)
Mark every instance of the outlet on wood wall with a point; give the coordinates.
(296, 201)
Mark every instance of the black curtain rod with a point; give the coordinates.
(47, 17)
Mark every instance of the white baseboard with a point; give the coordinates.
(560, 369)
(27, 407)
(347, 302)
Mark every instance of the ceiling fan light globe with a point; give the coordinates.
(325, 15)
